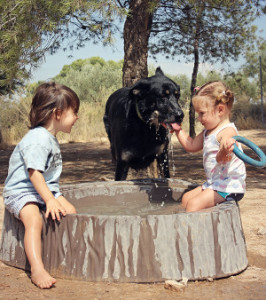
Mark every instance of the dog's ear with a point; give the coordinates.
(137, 92)
(139, 89)
(133, 93)
(159, 72)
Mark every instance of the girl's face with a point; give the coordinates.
(67, 120)
(208, 115)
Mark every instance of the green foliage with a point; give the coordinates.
(76, 66)
(90, 77)
(251, 68)
(244, 89)
(28, 29)
(184, 83)
(95, 79)
(203, 31)
(219, 30)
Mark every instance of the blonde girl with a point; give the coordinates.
(225, 172)
(34, 171)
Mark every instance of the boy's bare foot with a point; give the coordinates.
(42, 279)
(70, 209)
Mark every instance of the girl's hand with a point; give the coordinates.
(230, 144)
(54, 207)
(226, 149)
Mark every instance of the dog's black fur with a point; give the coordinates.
(133, 118)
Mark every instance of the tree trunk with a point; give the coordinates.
(137, 30)
(198, 26)
(192, 87)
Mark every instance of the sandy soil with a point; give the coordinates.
(92, 162)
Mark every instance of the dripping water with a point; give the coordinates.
(171, 153)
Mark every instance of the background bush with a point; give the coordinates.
(94, 80)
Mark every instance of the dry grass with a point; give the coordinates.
(247, 122)
(90, 124)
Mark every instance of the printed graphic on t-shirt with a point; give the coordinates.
(56, 161)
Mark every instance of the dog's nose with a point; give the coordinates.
(180, 114)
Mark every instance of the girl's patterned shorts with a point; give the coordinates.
(231, 196)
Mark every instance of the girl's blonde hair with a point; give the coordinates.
(215, 92)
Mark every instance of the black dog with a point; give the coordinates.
(133, 118)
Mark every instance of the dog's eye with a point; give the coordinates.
(167, 92)
(176, 92)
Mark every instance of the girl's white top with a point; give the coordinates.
(229, 177)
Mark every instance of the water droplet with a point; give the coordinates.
(171, 151)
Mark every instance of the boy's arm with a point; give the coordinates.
(53, 206)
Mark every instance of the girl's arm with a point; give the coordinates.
(190, 144)
(53, 206)
(225, 138)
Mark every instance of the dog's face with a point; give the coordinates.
(156, 100)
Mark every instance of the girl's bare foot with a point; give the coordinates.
(42, 279)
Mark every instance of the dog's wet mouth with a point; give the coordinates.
(155, 115)
(173, 126)
(154, 118)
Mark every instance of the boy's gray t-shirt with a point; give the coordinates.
(38, 150)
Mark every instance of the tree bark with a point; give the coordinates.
(198, 26)
(137, 30)
(192, 132)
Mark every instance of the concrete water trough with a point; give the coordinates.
(134, 231)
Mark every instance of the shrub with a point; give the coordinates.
(92, 78)
(248, 115)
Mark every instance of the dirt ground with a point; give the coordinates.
(92, 162)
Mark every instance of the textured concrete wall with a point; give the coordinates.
(115, 246)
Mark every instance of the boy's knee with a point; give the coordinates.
(37, 221)
(34, 222)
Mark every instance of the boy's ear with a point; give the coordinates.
(57, 113)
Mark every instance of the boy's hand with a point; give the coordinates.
(69, 208)
(54, 207)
